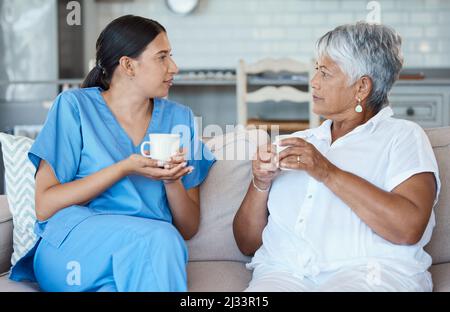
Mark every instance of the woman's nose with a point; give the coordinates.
(313, 82)
(173, 67)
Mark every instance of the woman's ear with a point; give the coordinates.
(127, 66)
(364, 88)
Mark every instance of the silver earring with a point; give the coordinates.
(358, 107)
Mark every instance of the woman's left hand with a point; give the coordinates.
(176, 159)
(301, 155)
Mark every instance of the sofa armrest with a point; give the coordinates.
(6, 235)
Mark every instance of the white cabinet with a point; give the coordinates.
(426, 104)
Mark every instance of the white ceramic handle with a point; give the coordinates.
(143, 149)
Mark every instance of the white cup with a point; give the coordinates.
(162, 146)
(281, 137)
(277, 141)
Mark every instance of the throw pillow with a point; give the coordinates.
(19, 178)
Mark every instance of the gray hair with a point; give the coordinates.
(364, 49)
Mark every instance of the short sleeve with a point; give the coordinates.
(59, 142)
(199, 156)
(410, 154)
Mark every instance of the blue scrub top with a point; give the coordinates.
(81, 136)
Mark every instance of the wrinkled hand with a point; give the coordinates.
(301, 155)
(264, 166)
(173, 170)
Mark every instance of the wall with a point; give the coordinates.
(220, 32)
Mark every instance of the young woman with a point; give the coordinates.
(111, 219)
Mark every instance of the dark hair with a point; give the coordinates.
(128, 35)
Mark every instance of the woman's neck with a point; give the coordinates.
(126, 104)
(339, 128)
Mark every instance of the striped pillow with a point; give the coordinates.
(19, 178)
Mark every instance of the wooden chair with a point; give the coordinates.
(274, 93)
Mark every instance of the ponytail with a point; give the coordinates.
(96, 78)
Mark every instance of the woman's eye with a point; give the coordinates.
(324, 74)
(163, 58)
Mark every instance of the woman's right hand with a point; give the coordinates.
(150, 168)
(264, 166)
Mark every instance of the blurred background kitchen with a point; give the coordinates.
(47, 46)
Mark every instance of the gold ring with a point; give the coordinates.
(298, 159)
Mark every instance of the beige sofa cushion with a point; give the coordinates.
(6, 230)
(441, 277)
(7, 285)
(223, 276)
(439, 247)
(222, 193)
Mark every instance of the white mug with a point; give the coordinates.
(281, 137)
(277, 141)
(162, 146)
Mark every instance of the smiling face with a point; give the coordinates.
(154, 68)
(333, 97)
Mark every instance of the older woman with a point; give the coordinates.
(354, 211)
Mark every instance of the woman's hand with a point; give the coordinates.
(302, 155)
(173, 170)
(264, 167)
(175, 160)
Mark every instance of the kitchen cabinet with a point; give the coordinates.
(425, 102)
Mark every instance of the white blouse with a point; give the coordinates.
(310, 230)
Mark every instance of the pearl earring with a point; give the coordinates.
(358, 107)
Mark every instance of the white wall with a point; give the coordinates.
(220, 32)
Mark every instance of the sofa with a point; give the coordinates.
(215, 262)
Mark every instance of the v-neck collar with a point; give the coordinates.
(112, 120)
